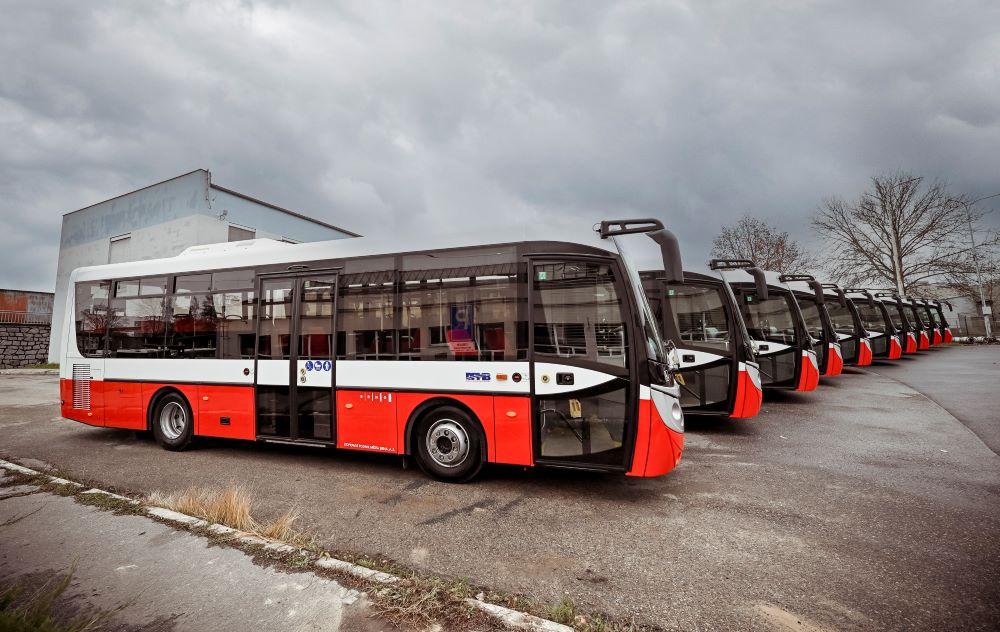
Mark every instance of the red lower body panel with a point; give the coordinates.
(911, 344)
(748, 397)
(895, 348)
(936, 340)
(808, 373)
(658, 449)
(925, 342)
(948, 337)
(865, 353)
(834, 361)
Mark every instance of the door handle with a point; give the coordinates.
(564, 379)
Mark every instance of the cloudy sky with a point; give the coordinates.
(421, 118)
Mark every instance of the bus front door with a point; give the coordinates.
(580, 343)
(296, 357)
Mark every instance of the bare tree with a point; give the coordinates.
(753, 238)
(900, 233)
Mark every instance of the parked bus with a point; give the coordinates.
(782, 345)
(855, 347)
(933, 315)
(528, 353)
(886, 341)
(923, 330)
(937, 313)
(719, 373)
(901, 320)
(811, 297)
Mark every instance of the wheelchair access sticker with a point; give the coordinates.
(319, 365)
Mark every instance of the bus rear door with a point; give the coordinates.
(296, 357)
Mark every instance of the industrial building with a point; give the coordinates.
(163, 219)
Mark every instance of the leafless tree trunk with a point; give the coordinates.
(753, 238)
(900, 233)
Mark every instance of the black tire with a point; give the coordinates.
(172, 422)
(448, 445)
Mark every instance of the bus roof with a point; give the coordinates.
(264, 252)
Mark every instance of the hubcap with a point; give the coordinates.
(447, 443)
(173, 419)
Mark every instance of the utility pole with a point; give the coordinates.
(987, 312)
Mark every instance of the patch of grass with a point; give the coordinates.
(36, 612)
(563, 612)
(45, 365)
(232, 506)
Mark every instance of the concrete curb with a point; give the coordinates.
(29, 371)
(512, 618)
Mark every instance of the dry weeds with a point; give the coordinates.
(232, 506)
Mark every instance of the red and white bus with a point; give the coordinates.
(887, 341)
(811, 297)
(855, 346)
(528, 353)
(701, 317)
(782, 345)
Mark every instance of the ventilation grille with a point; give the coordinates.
(81, 387)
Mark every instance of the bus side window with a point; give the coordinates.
(92, 317)
(365, 318)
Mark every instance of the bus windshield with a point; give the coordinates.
(896, 315)
(812, 317)
(771, 319)
(842, 318)
(871, 317)
(700, 316)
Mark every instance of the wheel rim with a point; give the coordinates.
(173, 419)
(447, 443)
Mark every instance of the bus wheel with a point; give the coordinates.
(448, 445)
(173, 425)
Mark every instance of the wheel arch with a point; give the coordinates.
(155, 400)
(433, 403)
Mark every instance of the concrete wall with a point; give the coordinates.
(21, 345)
(164, 219)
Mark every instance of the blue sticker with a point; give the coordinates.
(327, 365)
(309, 365)
(475, 376)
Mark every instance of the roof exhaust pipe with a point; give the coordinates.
(670, 249)
(841, 294)
(816, 286)
(759, 278)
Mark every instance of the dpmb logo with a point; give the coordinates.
(476, 376)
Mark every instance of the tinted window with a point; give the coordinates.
(578, 313)
(152, 286)
(91, 317)
(700, 316)
(232, 280)
(275, 319)
(316, 318)
(451, 315)
(193, 283)
(235, 327)
(842, 318)
(366, 327)
(813, 317)
(128, 287)
(136, 328)
(895, 315)
(871, 317)
(771, 319)
(192, 326)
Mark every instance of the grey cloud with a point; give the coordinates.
(457, 116)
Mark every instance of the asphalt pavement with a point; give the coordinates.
(965, 381)
(861, 505)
